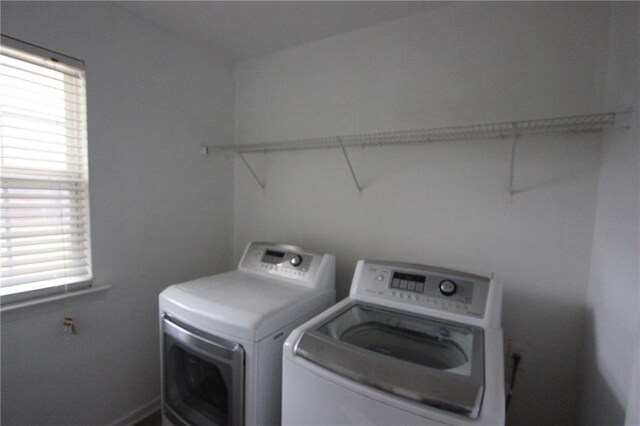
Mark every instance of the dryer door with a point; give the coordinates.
(202, 377)
(430, 361)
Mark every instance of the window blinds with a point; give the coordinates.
(44, 200)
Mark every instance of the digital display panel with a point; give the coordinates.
(273, 257)
(408, 282)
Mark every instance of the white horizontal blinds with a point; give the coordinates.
(44, 200)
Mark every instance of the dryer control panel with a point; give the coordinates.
(282, 261)
(424, 286)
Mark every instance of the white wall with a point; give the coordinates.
(613, 303)
(445, 204)
(161, 213)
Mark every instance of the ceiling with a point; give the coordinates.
(243, 30)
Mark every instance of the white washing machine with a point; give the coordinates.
(222, 335)
(411, 345)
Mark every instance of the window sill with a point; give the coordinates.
(42, 300)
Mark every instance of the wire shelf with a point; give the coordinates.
(507, 129)
(572, 124)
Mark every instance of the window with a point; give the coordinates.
(44, 199)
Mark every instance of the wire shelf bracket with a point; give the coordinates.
(512, 129)
(255, 176)
(353, 174)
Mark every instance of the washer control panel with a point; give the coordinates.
(281, 260)
(422, 285)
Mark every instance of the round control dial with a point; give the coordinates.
(296, 261)
(447, 287)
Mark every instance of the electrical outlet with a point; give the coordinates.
(514, 346)
(69, 325)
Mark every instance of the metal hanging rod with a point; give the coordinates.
(507, 129)
(572, 124)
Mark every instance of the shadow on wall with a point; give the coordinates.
(546, 332)
(609, 411)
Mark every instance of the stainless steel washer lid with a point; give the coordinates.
(434, 362)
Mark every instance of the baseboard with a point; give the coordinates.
(139, 413)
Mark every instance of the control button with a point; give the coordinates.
(443, 333)
(380, 277)
(447, 287)
(296, 260)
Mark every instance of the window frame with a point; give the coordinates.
(46, 291)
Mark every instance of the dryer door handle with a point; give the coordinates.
(210, 346)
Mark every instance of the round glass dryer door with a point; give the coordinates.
(197, 389)
(202, 377)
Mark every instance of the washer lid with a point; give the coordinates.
(434, 362)
(240, 304)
